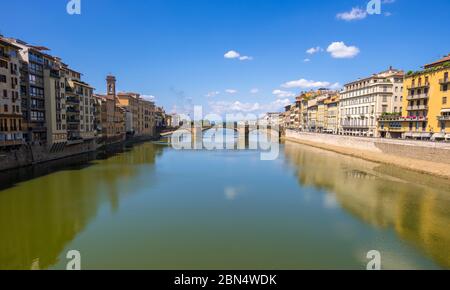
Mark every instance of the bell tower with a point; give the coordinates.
(111, 85)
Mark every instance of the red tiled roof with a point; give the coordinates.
(444, 59)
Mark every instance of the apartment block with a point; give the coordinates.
(57, 107)
(331, 114)
(10, 101)
(365, 100)
(426, 105)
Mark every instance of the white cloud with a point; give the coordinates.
(254, 91)
(245, 58)
(314, 50)
(231, 91)
(308, 84)
(212, 94)
(340, 50)
(283, 94)
(354, 14)
(231, 192)
(306, 60)
(150, 98)
(224, 107)
(232, 54)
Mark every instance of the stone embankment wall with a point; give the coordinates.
(422, 150)
(35, 154)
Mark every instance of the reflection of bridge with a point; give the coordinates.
(243, 129)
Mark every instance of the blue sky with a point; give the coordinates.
(174, 49)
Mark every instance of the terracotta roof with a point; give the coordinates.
(444, 59)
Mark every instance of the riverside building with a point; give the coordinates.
(426, 105)
(11, 125)
(365, 100)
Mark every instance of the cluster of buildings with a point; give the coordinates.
(390, 104)
(45, 102)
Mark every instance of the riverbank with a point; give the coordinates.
(424, 157)
(30, 155)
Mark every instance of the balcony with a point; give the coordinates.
(390, 118)
(54, 74)
(417, 108)
(444, 81)
(417, 97)
(4, 143)
(73, 100)
(73, 121)
(444, 118)
(418, 86)
(347, 126)
(4, 55)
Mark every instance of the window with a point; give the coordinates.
(444, 101)
(2, 79)
(5, 93)
(36, 92)
(5, 108)
(3, 64)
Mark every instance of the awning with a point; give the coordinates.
(438, 136)
(447, 136)
(71, 84)
(445, 111)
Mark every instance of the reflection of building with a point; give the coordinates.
(365, 100)
(39, 225)
(10, 100)
(379, 196)
(426, 105)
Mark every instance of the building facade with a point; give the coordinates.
(426, 105)
(364, 101)
(10, 99)
(331, 115)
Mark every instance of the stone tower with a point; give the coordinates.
(111, 85)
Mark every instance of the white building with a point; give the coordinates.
(365, 100)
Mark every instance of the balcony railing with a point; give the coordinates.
(443, 118)
(4, 143)
(418, 86)
(417, 108)
(73, 100)
(417, 97)
(444, 81)
(356, 126)
(4, 55)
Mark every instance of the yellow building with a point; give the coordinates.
(426, 106)
(10, 98)
(331, 118)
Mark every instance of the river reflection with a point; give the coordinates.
(39, 217)
(153, 207)
(416, 206)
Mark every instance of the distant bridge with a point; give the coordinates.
(196, 130)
